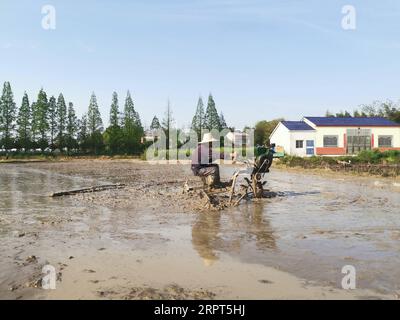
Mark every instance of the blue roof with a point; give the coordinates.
(352, 121)
(296, 125)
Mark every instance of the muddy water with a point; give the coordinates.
(320, 224)
(31, 222)
(316, 226)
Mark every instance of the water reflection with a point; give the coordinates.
(24, 194)
(232, 231)
(7, 185)
(260, 227)
(205, 236)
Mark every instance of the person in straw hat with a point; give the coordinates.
(202, 161)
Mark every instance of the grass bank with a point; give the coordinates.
(385, 164)
(48, 157)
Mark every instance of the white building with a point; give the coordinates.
(151, 135)
(336, 136)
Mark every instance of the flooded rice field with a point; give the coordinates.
(147, 241)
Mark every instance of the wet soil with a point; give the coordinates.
(148, 241)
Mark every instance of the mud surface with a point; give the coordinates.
(147, 241)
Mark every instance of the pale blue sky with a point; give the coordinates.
(260, 59)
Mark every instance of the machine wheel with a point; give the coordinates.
(259, 190)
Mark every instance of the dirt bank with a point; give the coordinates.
(342, 174)
(360, 169)
(146, 240)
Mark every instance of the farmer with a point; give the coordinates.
(202, 161)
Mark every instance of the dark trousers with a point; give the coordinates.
(207, 170)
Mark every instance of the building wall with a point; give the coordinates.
(341, 133)
(281, 138)
(304, 136)
(395, 132)
(287, 139)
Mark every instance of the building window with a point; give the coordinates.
(299, 144)
(330, 141)
(385, 141)
(310, 151)
(310, 147)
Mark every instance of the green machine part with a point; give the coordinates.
(260, 150)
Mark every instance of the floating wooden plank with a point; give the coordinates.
(87, 190)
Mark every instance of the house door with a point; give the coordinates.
(358, 140)
(310, 147)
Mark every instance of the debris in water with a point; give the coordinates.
(87, 190)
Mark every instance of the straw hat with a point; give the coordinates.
(208, 138)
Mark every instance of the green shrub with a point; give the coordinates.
(364, 157)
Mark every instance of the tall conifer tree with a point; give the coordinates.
(53, 123)
(95, 125)
(113, 137)
(212, 121)
(155, 124)
(24, 123)
(72, 128)
(222, 121)
(198, 120)
(114, 111)
(40, 125)
(133, 130)
(8, 112)
(61, 120)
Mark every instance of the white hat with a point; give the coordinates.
(208, 138)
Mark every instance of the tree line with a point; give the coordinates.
(203, 119)
(207, 119)
(387, 109)
(50, 124)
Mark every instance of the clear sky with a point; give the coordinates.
(260, 59)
